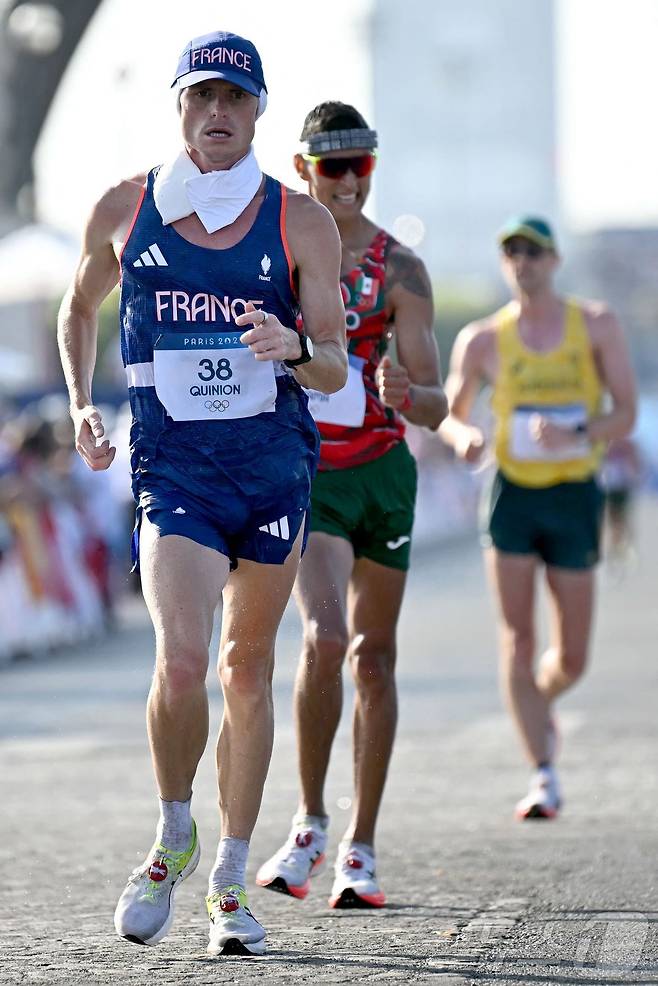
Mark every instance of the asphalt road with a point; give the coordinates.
(474, 896)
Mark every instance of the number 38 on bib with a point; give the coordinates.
(211, 376)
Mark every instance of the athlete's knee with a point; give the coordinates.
(246, 671)
(180, 668)
(571, 663)
(373, 664)
(324, 649)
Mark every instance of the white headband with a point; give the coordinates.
(358, 138)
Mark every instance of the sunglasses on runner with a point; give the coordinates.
(335, 167)
(523, 248)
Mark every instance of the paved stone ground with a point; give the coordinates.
(474, 897)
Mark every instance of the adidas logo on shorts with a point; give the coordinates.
(278, 529)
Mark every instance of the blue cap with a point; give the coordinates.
(530, 228)
(221, 55)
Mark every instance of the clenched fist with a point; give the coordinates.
(550, 435)
(393, 383)
(89, 430)
(470, 445)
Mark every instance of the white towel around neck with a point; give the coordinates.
(217, 197)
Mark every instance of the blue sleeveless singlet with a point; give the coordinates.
(236, 485)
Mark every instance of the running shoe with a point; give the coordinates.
(355, 882)
(233, 928)
(145, 910)
(543, 798)
(301, 857)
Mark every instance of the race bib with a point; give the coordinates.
(347, 406)
(525, 448)
(211, 376)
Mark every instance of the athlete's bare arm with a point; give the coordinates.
(614, 365)
(315, 248)
(472, 362)
(77, 328)
(414, 385)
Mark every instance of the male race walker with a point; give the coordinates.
(215, 261)
(350, 585)
(550, 361)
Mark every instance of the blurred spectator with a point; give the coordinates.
(60, 533)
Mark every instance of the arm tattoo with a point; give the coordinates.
(410, 272)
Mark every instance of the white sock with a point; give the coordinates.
(311, 821)
(175, 824)
(318, 822)
(230, 865)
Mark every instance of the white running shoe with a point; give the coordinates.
(145, 910)
(233, 928)
(301, 857)
(543, 798)
(355, 883)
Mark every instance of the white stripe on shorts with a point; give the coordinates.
(140, 375)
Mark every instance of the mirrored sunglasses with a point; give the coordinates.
(335, 167)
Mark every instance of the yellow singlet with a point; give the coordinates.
(562, 384)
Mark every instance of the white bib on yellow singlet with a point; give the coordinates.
(347, 407)
(525, 448)
(211, 376)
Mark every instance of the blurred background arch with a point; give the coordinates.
(37, 41)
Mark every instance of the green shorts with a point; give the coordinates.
(371, 506)
(561, 523)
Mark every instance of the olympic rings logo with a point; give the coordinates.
(216, 405)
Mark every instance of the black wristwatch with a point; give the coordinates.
(307, 353)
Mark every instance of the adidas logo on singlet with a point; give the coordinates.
(265, 264)
(278, 529)
(153, 257)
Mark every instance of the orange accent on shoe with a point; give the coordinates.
(318, 862)
(301, 891)
(374, 900)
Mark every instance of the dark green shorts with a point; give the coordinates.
(561, 523)
(371, 505)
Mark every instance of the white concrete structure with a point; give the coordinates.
(464, 98)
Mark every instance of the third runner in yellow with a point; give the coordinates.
(549, 360)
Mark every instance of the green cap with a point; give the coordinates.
(532, 228)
